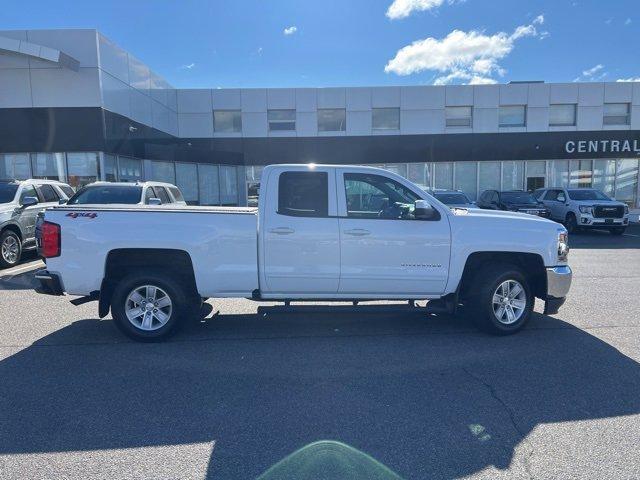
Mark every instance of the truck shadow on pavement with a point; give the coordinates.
(426, 398)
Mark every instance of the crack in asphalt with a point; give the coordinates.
(512, 418)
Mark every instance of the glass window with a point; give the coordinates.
(28, 191)
(177, 194)
(418, 173)
(616, 114)
(82, 168)
(512, 175)
(562, 115)
(280, 120)
(466, 178)
(385, 118)
(15, 166)
(209, 184)
(536, 168)
(227, 121)
(443, 175)
(68, 191)
(303, 194)
(48, 193)
(375, 196)
(110, 168)
(162, 194)
(604, 176)
(130, 169)
(580, 173)
(148, 195)
(559, 173)
(105, 194)
(332, 120)
(187, 181)
(228, 185)
(48, 166)
(159, 171)
(397, 168)
(489, 176)
(627, 181)
(587, 194)
(253, 173)
(452, 198)
(8, 192)
(458, 116)
(512, 116)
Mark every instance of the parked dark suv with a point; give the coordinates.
(514, 201)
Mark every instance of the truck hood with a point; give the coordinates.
(613, 203)
(501, 215)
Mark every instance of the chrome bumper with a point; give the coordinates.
(558, 281)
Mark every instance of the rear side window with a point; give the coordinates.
(67, 190)
(48, 193)
(303, 194)
(177, 194)
(107, 194)
(162, 194)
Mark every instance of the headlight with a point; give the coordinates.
(563, 245)
(626, 209)
(585, 209)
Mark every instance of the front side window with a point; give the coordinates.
(616, 114)
(562, 115)
(28, 191)
(512, 116)
(376, 196)
(107, 194)
(385, 119)
(332, 120)
(458, 116)
(281, 120)
(303, 194)
(227, 121)
(148, 195)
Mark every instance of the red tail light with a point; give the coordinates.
(50, 240)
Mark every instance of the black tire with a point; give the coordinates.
(9, 235)
(480, 299)
(571, 223)
(182, 308)
(617, 231)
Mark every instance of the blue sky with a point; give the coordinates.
(239, 43)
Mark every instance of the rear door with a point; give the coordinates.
(27, 215)
(300, 233)
(384, 250)
(554, 200)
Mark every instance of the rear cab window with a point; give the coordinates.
(303, 194)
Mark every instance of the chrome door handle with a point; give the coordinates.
(282, 230)
(357, 232)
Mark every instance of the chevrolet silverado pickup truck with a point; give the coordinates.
(320, 232)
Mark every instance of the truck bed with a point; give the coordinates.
(160, 208)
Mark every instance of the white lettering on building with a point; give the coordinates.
(602, 146)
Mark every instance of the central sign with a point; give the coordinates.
(602, 146)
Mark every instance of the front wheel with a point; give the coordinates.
(571, 223)
(501, 300)
(149, 307)
(10, 249)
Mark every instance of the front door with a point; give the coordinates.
(300, 234)
(384, 251)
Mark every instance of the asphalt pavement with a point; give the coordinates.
(390, 392)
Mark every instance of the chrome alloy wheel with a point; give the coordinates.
(10, 249)
(148, 307)
(509, 302)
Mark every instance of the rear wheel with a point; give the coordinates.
(149, 306)
(571, 223)
(501, 301)
(10, 249)
(617, 231)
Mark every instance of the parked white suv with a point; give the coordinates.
(20, 203)
(122, 193)
(585, 208)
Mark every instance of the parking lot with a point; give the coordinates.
(422, 397)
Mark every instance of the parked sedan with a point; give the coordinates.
(453, 198)
(513, 200)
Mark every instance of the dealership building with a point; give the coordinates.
(76, 107)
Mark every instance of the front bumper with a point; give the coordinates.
(587, 220)
(50, 283)
(558, 285)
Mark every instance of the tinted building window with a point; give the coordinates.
(227, 121)
(511, 116)
(385, 119)
(562, 115)
(458, 116)
(616, 114)
(303, 194)
(332, 120)
(48, 166)
(281, 120)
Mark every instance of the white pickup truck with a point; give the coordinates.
(324, 233)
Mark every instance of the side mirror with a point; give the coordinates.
(62, 201)
(154, 201)
(423, 210)
(28, 202)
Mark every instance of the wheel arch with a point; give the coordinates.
(14, 227)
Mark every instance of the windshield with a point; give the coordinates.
(587, 195)
(519, 197)
(7, 192)
(452, 198)
(107, 194)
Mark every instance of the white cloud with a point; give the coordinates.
(188, 66)
(467, 56)
(592, 74)
(290, 30)
(630, 79)
(404, 8)
(627, 21)
(608, 20)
